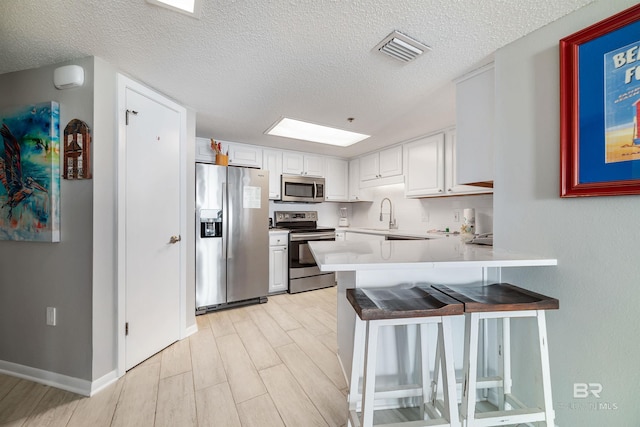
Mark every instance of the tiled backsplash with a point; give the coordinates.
(411, 214)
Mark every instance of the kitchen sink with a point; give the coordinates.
(400, 237)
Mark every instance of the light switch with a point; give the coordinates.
(51, 316)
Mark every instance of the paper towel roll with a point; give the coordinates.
(468, 221)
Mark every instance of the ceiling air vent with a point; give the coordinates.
(401, 47)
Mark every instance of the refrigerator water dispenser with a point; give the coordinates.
(210, 223)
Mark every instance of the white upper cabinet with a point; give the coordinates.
(302, 164)
(431, 165)
(370, 167)
(272, 161)
(204, 153)
(337, 180)
(451, 167)
(356, 194)
(239, 154)
(475, 106)
(424, 160)
(391, 162)
(382, 164)
(243, 155)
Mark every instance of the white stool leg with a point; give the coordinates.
(506, 361)
(424, 368)
(436, 373)
(356, 363)
(468, 408)
(369, 381)
(445, 337)
(546, 371)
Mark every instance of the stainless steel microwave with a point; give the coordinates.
(302, 189)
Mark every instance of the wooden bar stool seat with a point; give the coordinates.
(402, 305)
(501, 301)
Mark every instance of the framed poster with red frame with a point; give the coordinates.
(600, 108)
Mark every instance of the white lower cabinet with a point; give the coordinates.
(278, 262)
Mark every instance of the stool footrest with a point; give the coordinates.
(489, 382)
(514, 416)
(355, 422)
(409, 390)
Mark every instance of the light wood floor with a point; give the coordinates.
(264, 365)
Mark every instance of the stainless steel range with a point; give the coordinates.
(304, 274)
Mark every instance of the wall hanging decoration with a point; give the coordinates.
(77, 154)
(600, 108)
(30, 173)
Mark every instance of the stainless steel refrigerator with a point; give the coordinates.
(232, 236)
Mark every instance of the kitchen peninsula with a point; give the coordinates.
(443, 260)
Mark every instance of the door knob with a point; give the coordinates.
(175, 239)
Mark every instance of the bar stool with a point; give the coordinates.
(501, 301)
(402, 305)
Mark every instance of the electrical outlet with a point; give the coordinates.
(51, 316)
(456, 216)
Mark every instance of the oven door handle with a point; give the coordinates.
(296, 237)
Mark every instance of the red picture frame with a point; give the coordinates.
(582, 135)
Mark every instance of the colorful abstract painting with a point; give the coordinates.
(30, 173)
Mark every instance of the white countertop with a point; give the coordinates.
(401, 232)
(404, 254)
(278, 231)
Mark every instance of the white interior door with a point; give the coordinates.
(152, 225)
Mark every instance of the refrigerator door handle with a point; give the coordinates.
(225, 219)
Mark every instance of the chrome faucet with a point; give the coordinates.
(392, 220)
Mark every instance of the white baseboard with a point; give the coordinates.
(190, 330)
(64, 382)
(104, 381)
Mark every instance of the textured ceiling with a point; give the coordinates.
(244, 64)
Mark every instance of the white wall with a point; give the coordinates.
(104, 213)
(420, 214)
(594, 337)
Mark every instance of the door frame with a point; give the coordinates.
(123, 84)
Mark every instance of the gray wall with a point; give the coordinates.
(78, 276)
(594, 337)
(37, 275)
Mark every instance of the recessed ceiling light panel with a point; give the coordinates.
(296, 129)
(401, 47)
(188, 7)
